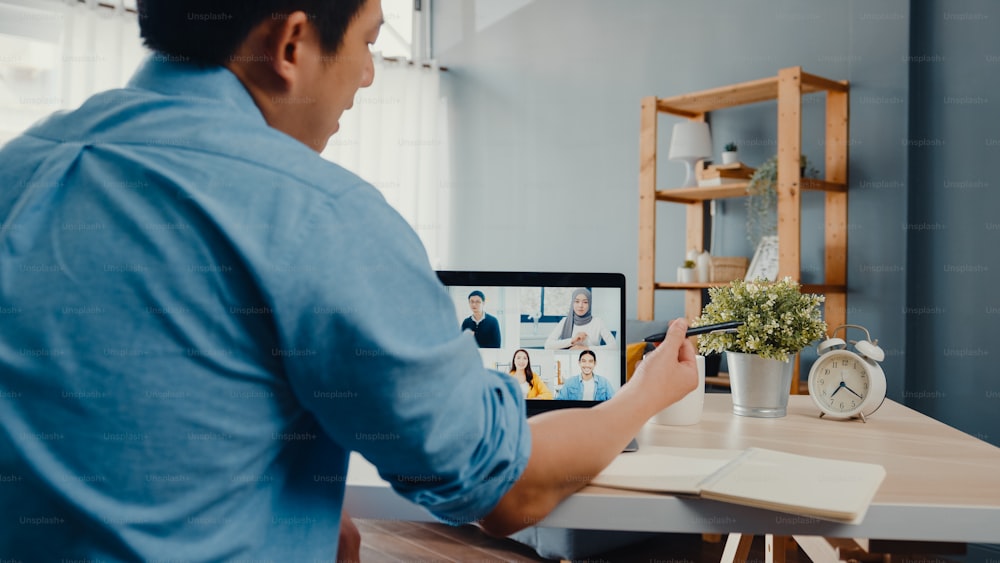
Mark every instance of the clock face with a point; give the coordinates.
(839, 382)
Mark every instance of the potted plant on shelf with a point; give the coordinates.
(762, 198)
(779, 320)
(686, 273)
(730, 154)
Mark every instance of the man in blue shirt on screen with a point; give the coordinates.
(195, 329)
(483, 325)
(587, 386)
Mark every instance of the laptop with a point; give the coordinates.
(530, 312)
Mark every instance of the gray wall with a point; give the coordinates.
(545, 110)
(953, 263)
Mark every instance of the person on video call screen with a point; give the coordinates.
(580, 330)
(587, 386)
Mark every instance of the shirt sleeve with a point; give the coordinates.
(553, 342)
(598, 331)
(377, 357)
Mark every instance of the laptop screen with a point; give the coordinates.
(559, 334)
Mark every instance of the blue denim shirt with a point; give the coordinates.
(573, 389)
(200, 318)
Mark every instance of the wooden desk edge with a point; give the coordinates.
(369, 497)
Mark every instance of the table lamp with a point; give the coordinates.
(690, 143)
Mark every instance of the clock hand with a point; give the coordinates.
(839, 387)
(852, 391)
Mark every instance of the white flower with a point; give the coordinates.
(778, 319)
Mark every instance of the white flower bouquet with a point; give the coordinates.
(778, 319)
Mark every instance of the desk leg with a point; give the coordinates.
(737, 548)
(774, 548)
(818, 549)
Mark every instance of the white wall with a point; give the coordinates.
(545, 118)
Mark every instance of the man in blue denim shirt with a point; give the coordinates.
(587, 386)
(202, 318)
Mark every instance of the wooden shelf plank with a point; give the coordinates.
(678, 285)
(721, 380)
(705, 193)
(813, 83)
(815, 185)
(750, 92)
(823, 288)
(718, 98)
(806, 287)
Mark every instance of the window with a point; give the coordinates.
(54, 55)
(396, 37)
(553, 303)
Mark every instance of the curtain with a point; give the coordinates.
(395, 137)
(54, 55)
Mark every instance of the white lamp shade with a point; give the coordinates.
(691, 140)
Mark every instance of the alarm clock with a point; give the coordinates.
(848, 383)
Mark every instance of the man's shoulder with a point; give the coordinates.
(148, 125)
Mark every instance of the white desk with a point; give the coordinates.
(941, 484)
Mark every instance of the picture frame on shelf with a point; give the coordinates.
(765, 260)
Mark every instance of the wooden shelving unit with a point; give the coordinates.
(787, 87)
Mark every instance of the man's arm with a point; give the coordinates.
(349, 543)
(553, 342)
(494, 333)
(570, 446)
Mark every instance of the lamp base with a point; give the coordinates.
(691, 180)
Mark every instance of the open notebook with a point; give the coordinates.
(829, 489)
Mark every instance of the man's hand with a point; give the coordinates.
(670, 371)
(570, 446)
(349, 543)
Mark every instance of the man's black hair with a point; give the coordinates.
(209, 31)
(587, 353)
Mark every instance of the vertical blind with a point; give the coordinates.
(55, 54)
(396, 137)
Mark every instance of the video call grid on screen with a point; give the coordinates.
(529, 308)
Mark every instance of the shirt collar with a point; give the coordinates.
(169, 75)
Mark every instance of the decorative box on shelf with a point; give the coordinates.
(729, 268)
(719, 174)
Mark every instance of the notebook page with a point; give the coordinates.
(664, 469)
(811, 486)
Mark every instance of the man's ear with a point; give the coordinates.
(288, 44)
(273, 53)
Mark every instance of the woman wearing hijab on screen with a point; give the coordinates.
(580, 330)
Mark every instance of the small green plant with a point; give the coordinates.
(689, 264)
(762, 200)
(779, 320)
(731, 147)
